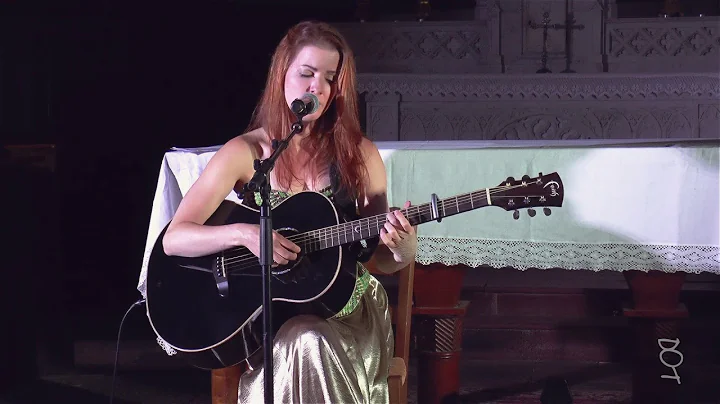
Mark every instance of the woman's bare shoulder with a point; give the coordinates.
(369, 151)
(234, 160)
(254, 141)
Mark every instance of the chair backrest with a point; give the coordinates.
(402, 312)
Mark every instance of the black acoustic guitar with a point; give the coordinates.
(208, 309)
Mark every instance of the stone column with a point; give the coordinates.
(488, 12)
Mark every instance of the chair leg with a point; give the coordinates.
(403, 392)
(224, 385)
(397, 390)
(394, 389)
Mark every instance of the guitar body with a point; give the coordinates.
(187, 310)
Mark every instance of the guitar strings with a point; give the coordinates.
(236, 263)
(341, 229)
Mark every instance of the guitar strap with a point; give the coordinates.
(346, 203)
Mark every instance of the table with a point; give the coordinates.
(650, 209)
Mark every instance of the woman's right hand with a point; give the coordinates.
(284, 250)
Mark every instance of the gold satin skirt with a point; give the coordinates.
(339, 360)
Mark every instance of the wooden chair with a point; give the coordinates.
(225, 381)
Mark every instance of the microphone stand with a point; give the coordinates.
(260, 183)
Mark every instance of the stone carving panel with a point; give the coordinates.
(577, 107)
(483, 122)
(710, 119)
(382, 116)
(428, 47)
(501, 40)
(660, 45)
(575, 87)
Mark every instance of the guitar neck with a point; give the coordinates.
(370, 227)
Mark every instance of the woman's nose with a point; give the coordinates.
(315, 86)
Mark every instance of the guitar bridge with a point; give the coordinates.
(221, 275)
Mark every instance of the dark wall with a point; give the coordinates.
(114, 84)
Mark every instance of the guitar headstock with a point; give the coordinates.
(526, 193)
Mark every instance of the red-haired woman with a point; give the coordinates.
(343, 359)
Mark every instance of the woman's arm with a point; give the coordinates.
(398, 239)
(187, 236)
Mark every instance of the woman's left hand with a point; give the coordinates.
(399, 235)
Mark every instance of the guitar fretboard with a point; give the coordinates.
(370, 227)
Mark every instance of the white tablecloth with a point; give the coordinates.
(628, 204)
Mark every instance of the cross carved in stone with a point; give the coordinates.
(569, 26)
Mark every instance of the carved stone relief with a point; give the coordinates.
(577, 107)
(709, 120)
(501, 40)
(430, 47)
(662, 45)
(478, 121)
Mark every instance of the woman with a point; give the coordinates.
(343, 359)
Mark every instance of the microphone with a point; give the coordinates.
(305, 105)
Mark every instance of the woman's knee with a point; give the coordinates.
(304, 327)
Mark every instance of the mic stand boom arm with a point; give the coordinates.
(260, 182)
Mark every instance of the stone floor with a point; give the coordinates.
(482, 382)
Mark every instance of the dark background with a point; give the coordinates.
(113, 85)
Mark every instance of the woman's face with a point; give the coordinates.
(313, 70)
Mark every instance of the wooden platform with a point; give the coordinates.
(499, 382)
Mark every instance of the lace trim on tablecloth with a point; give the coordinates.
(522, 255)
(166, 347)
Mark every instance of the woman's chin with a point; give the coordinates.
(311, 118)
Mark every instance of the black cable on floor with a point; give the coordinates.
(117, 347)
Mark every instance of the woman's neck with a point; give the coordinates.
(297, 141)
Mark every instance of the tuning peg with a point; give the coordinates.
(531, 212)
(516, 215)
(526, 177)
(510, 179)
(540, 174)
(547, 211)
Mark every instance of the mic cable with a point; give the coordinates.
(117, 347)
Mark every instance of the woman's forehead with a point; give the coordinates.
(316, 58)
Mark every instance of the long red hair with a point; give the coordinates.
(336, 135)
